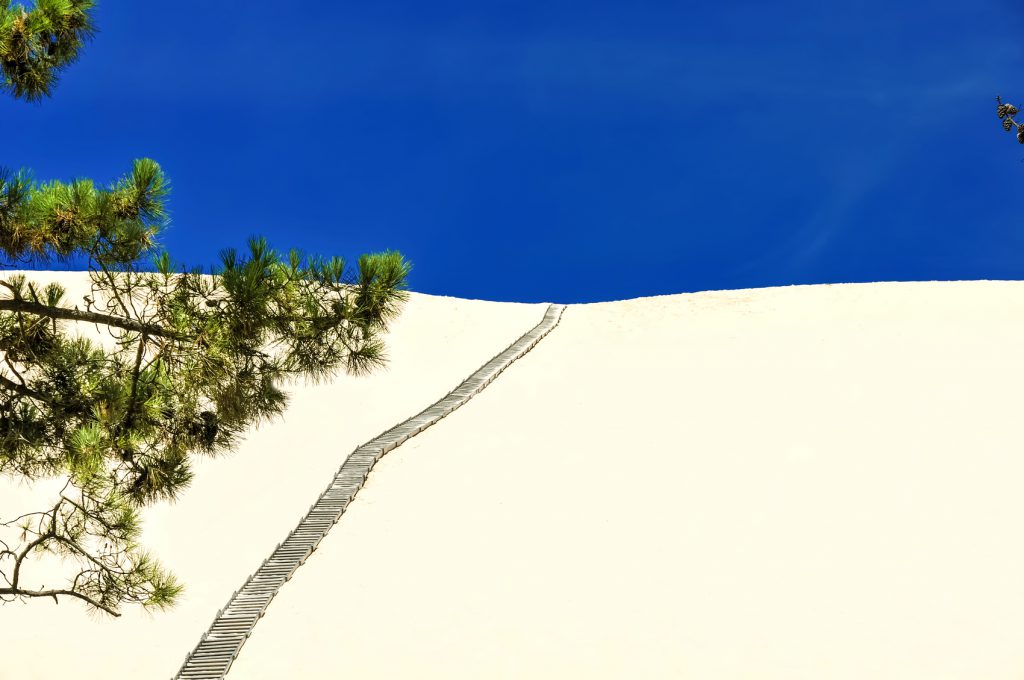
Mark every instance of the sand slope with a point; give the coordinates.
(241, 506)
(799, 482)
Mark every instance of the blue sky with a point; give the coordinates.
(562, 151)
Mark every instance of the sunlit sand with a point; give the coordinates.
(796, 482)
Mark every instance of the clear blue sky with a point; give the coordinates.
(562, 151)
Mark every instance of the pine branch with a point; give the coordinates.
(123, 575)
(19, 592)
(35, 46)
(11, 386)
(39, 309)
(122, 425)
(121, 428)
(1006, 113)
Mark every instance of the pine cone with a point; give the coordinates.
(1001, 110)
(1020, 134)
(1007, 124)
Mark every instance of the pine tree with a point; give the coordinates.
(36, 45)
(198, 360)
(195, 361)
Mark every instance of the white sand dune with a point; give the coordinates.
(798, 482)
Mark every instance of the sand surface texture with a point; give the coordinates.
(798, 482)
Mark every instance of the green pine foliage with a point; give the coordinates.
(57, 220)
(198, 360)
(36, 45)
(195, 360)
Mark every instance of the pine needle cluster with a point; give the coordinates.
(196, 361)
(36, 45)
